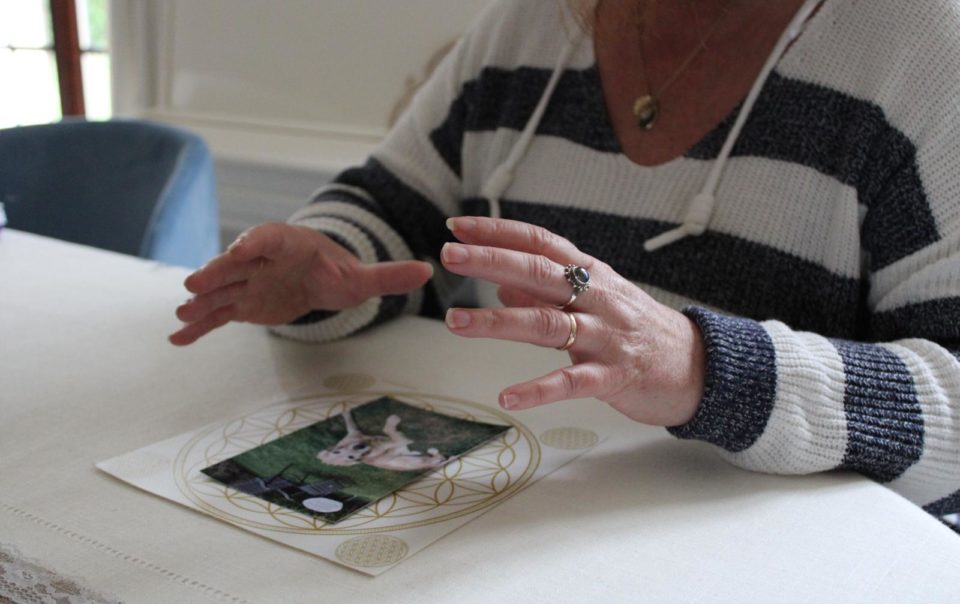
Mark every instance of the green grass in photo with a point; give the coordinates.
(294, 456)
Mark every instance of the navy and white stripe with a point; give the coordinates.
(884, 418)
(835, 241)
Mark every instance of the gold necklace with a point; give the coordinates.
(646, 108)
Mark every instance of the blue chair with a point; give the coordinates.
(133, 187)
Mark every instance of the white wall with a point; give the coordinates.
(286, 92)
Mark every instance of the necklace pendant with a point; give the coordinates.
(646, 109)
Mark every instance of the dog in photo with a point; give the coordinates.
(389, 452)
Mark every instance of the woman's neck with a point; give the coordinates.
(698, 58)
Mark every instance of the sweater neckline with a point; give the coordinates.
(594, 92)
(703, 148)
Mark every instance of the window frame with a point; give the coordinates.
(66, 49)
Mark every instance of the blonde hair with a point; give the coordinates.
(583, 12)
(413, 83)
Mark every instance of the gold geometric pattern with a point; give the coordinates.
(569, 438)
(371, 551)
(484, 477)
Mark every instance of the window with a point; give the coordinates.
(93, 28)
(34, 91)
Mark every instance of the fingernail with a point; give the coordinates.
(457, 318)
(509, 401)
(453, 253)
(236, 243)
(461, 223)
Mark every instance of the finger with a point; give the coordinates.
(392, 278)
(244, 256)
(513, 297)
(543, 326)
(221, 271)
(265, 240)
(194, 331)
(202, 305)
(533, 274)
(585, 380)
(519, 236)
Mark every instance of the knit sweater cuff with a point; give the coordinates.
(740, 383)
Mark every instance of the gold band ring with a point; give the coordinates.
(573, 333)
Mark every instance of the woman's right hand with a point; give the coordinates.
(274, 273)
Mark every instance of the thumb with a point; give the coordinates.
(391, 278)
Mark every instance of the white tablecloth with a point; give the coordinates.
(86, 374)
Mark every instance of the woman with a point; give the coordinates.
(784, 173)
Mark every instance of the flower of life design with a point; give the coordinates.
(484, 477)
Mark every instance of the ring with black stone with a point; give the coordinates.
(579, 280)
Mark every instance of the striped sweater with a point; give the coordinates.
(827, 285)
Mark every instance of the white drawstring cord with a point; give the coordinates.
(700, 208)
(502, 175)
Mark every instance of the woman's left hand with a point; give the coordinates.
(643, 358)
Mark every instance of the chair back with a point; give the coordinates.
(133, 187)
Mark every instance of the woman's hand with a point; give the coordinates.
(274, 273)
(643, 358)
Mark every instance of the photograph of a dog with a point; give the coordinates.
(342, 464)
(390, 451)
